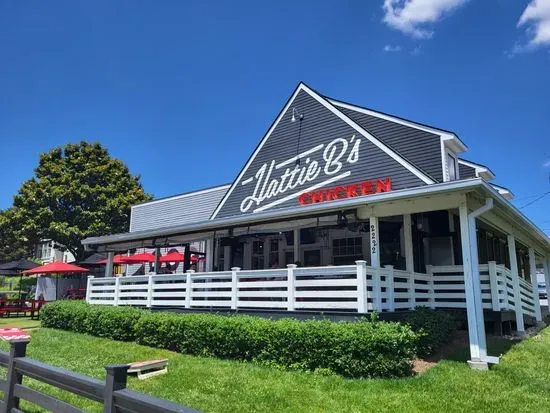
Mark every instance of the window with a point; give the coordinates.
(258, 255)
(274, 253)
(347, 250)
(451, 166)
(44, 250)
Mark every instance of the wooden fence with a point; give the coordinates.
(112, 393)
(350, 288)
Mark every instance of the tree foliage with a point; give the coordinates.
(78, 191)
(13, 244)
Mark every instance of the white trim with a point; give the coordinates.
(186, 195)
(343, 117)
(480, 169)
(444, 170)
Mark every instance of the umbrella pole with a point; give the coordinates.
(20, 280)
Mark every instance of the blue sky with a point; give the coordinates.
(183, 91)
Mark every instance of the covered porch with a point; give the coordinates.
(457, 245)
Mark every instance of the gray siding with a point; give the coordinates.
(466, 171)
(320, 126)
(176, 210)
(421, 148)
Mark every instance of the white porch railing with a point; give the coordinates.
(353, 288)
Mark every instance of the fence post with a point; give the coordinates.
(150, 291)
(17, 349)
(390, 291)
(234, 287)
(362, 302)
(412, 291)
(117, 375)
(188, 288)
(493, 282)
(377, 290)
(290, 289)
(117, 290)
(89, 288)
(431, 290)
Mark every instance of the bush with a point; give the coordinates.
(368, 348)
(434, 328)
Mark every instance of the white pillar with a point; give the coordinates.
(374, 243)
(547, 280)
(117, 291)
(234, 287)
(534, 283)
(188, 288)
(493, 282)
(515, 278)
(409, 254)
(362, 302)
(390, 292)
(150, 291)
(89, 288)
(209, 263)
(297, 245)
(109, 264)
(473, 333)
(291, 289)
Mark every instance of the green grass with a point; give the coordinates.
(521, 383)
(21, 322)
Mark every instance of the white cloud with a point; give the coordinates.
(416, 51)
(390, 48)
(412, 16)
(546, 164)
(536, 19)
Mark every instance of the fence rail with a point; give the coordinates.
(112, 393)
(350, 288)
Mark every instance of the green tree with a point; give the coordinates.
(78, 191)
(13, 244)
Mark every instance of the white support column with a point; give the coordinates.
(109, 264)
(188, 288)
(297, 246)
(117, 291)
(534, 283)
(430, 286)
(473, 333)
(493, 282)
(290, 289)
(374, 243)
(234, 287)
(390, 292)
(226, 258)
(362, 302)
(547, 280)
(209, 263)
(409, 252)
(89, 288)
(517, 289)
(377, 290)
(150, 291)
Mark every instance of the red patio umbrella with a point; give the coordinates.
(117, 259)
(176, 256)
(140, 258)
(56, 267)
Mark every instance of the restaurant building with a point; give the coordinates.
(342, 209)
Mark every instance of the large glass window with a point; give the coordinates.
(451, 165)
(258, 255)
(274, 253)
(347, 250)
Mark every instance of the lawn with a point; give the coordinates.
(521, 383)
(21, 322)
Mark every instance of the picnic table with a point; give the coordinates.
(17, 306)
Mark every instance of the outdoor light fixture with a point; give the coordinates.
(293, 119)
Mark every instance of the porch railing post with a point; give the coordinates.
(89, 288)
(117, 291)
(150, 291)
(188, 288)
(117, 377)
(390, 292)
(234, 287)
(17, 349)
(431, 289)
(534, 284)
(493, 282)
(517, 289)
(362, 302)
(377, 289)
(412, 291)
(291, 280)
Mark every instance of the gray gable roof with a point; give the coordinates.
(176, 210)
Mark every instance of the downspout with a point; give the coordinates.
(474, 260)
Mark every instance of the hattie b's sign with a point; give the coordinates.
(348, 191)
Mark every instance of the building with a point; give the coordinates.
(345, 209)
(47, 251)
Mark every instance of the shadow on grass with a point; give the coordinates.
(496, 346)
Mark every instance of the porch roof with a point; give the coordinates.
(181, 233)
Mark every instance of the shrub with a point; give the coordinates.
(367, 348)
(434, 328)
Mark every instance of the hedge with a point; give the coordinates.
(368, 348)
(434, 328)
